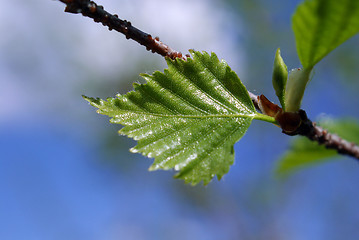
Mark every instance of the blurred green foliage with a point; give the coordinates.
(321, 26)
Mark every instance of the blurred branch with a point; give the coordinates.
(98, 14)
(291, 123)
(297, 123)
(315, 133)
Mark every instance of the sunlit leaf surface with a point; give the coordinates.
(187, 117)
(322, 25)
(304, 152)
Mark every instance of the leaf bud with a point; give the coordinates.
(279, 77)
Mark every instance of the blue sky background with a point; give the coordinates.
(66, 174)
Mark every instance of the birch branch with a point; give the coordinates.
(304, 127)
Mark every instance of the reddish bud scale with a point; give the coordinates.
(288, 121)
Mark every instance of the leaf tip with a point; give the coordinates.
(153, 168)
(96, 102)
(87, 98)
(134, 149)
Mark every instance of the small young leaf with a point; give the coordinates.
(322, 25)
(304, 152)
(279, 77)
(187, 118)
(297, 82)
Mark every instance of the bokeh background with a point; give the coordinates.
(66, 174)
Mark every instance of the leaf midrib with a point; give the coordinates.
(250, 115)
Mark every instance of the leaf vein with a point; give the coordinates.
(219, 104)
(184, 147)
(220, 83)
(185, 101)
(219, 144)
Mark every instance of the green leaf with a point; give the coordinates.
(187, 118)
(304, 152)
(279, 77)
(322, 25)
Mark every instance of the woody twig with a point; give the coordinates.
(291, 123)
